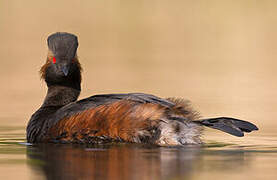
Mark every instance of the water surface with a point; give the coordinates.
(250, 158)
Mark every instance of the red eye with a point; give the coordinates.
(54, 60)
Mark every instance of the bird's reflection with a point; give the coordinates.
(129, 161)
(111, 161)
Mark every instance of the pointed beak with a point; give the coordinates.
(65, 70)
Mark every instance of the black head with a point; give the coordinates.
(62, 66)
(63, 46)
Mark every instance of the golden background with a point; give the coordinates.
(219, 54)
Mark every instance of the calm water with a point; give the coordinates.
(232, 159)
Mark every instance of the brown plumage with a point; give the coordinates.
(122, 120)
(111, 120)
(134, 117)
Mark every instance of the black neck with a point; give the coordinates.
(72, 80)
(60, 95)
(62, 90)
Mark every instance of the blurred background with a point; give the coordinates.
(221, 55)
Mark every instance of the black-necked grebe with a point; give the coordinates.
(133, 117)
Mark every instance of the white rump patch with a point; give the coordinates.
(174, 133)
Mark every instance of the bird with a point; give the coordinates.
(112, 118)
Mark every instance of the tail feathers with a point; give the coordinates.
(232, 126)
